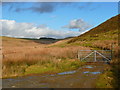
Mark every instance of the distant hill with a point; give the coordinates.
(108, 26)
(9, 42)
(45, 38)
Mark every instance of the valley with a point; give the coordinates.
(23, 59)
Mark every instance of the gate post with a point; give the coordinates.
(94, 55)
(78, 54)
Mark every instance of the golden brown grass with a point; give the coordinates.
(106, 44)
(19, 54)
(42, 54)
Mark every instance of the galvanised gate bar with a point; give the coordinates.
(95, 55)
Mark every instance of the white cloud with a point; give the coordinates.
(78, 24)
(29, 30)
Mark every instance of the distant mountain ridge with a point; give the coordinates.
(46, 38)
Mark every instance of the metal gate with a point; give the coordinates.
(95, 55)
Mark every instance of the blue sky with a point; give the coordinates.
(60, 16)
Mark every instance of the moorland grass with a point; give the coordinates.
(40, 60)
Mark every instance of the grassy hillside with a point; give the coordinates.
(108, 26)
(104, 36)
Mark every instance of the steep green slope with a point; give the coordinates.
(108, 28)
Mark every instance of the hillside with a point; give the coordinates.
(104, 36)
(109, 27)
(15, 45)
(16, 42)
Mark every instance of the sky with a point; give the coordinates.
(53, 19)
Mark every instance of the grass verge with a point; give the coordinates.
(48, 67)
